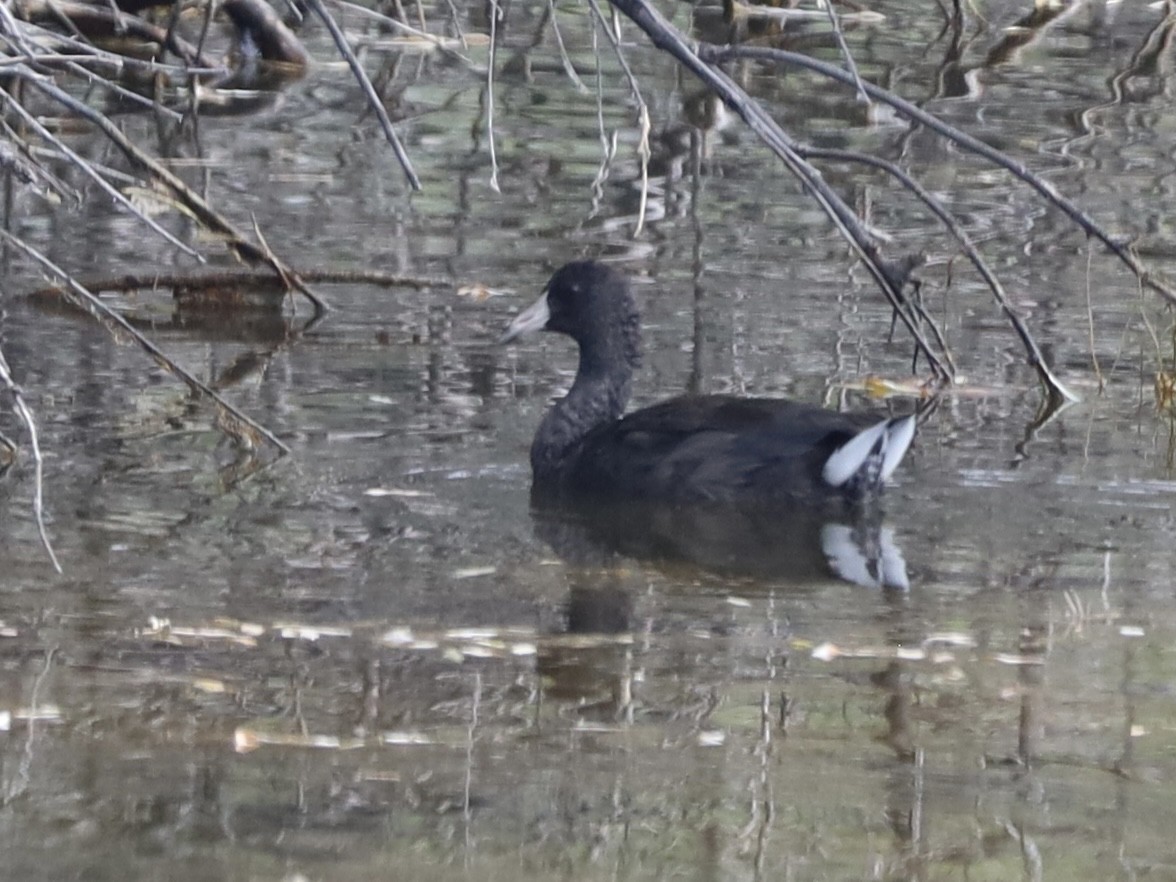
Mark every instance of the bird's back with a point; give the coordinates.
(713, 447)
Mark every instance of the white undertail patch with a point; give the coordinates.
(887, 440)
(898, 440)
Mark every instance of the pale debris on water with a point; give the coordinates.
(162, 629)
(311, 633)
(424, 645)
(477, 650)
(829, 651)
(397, 491)
(460, 643)
(1013, 658)
(246, 740)
(471, 633)
(826, 652)
(950, 638)
(401, 636)
(405, 738)
(473, 572)
(479, 293)
(44, 713)
(712, 738)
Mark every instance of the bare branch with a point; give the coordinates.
(719, 54)
(495, 14)
(92, 173)
(1036, 358)
(232, 420)
(846, 55)
(200, 209)
(643, 149)
(569, 68)
(30, 424)
(130, 24)
(250, 278)
(667, 38)
(369, 90)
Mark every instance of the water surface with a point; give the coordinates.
(369, 659)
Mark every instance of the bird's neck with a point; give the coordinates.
(597, 398)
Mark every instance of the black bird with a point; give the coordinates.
(690, 449)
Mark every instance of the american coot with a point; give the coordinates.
(707, 448)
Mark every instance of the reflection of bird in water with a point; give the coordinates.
(694, 449)
(774, 543)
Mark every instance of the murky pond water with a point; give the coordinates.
(371, 660)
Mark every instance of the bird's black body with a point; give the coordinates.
(704, 448)
(710, 448)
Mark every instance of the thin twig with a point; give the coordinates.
(116, 323)
(84, 52)
(20, 781)
(135, 26)
(1102, 383)
(369, 90)
(244, 277)
(90, 172)
(14, 33)
(471, 740)
(1151, 328)
(30, 169)
(205, 25)
(1036, 357)
(396, 24)
(284, 272)
(200, 209)
(569, 68)
(494, 13)
(846, 55)
(48, 59)
(125, 94)
(645, 127)
(455, 20)
(608, 146)
(30, 424)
